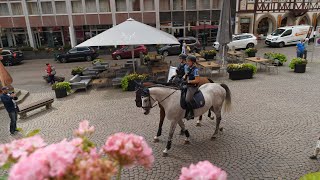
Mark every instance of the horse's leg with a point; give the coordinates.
(172, 128)
(199, 121)
(162, 116)
(217, 111)
(185, 131)
(209, 113)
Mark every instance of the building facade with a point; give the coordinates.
(264, 16)
(55, 23)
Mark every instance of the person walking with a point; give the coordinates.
(50, 72)
(184, 47)
(300, 49)
(306, 44)
(11, 107)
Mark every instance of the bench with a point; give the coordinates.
(80, 82)
(45, 102)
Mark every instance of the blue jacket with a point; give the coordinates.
(8, 103)
(192, 73)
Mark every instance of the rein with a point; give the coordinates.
(159, 101)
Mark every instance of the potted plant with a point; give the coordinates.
(97, 61)
(251, 52)
(298, 64)
(241, 71)
(268, 55)
(278, 58)
(208, 54)
(77, 70)
(128, 81)
(61, 89)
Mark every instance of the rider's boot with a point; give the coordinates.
(189, 113)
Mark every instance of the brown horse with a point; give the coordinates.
(203, 80)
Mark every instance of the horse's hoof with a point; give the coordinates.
(221, 129)
(155, 140)
(186, 142)
(213, 138)
(164, 154)
(198, 124)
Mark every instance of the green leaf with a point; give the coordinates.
(7, 166)
(311, 176)
(33, 133)
(5, 177)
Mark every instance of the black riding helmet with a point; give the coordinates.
(192, 58)
(183, 56)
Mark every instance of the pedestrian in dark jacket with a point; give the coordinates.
(11, 107)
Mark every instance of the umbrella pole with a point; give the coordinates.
(133, 61)
(223, 53)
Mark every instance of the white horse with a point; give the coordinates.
(169, 98)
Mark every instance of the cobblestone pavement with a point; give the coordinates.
(269, 134)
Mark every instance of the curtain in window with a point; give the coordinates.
(76, 6)
(16, 9)
(104, 5)
(148, 5)
(33, 8)
(134, 5)
(121, 5)
(4, 10)
(164, 5)
(91, 6)
(177, 4)
(204, 4)
(192, 4)
(46, 7)
(61, 7)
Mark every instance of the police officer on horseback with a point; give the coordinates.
(193, 78)
(180, 71)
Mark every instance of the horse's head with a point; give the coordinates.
(147, 101)
(139, 89)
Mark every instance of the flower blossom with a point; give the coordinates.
(203, 170)
(129, 150)
(84, 129)
(20, 148)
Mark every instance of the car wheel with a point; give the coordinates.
(250, 45)
(118, 57)
(281, 44)
(63, 60)
(89, 58)
(165, 53)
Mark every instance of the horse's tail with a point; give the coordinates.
(227, 102)
(210, 80)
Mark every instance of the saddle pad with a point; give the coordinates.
(196, 102)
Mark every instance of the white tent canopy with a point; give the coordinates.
(130, 32)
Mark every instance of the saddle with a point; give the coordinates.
(196, 102)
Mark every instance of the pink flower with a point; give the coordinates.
(204, 170)
(20, 148)
(129, 150)
(84, 129)
(51, 161)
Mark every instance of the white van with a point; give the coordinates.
(289, 35)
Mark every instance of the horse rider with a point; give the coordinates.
(181, 69)
(193, 80)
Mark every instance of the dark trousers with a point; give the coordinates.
(13, 121)
(305, 54)
(51, 79)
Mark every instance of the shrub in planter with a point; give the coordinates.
(77, 70)
(127, 82)
(97, 61)
(61, 89)
(251, 52)
(298, 64)
(279, 58)
(268, 55)
(208, 54)
(241, 71)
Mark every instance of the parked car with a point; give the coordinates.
(174, 49)
(11, 58)
(78, 53)
(240, 41)
(125, 52)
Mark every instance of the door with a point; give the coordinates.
(287, 37)
(234, 42)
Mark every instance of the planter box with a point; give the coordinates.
(60, 93)
(300, 68)
(211, 56)
(251, 54)
(237, 75)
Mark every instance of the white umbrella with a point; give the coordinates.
(130, 32)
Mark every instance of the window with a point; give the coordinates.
(77, 6)
(204, 4)
(287, 33)
(177, 4)
(33, 8)
(105, 6)
(148, 5)
(164, 5)
(216, 4)
(61, 7)
(4, 53)
(74, 50)
(46, 7)
(191, 4)
(16, 9)
(4, 10)
(82, 49)
(121, 5)
(91, 6)
(134, 5)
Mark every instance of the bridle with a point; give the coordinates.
(147, 94)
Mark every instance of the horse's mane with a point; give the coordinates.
(161, 84)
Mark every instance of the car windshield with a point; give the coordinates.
(278, 32)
